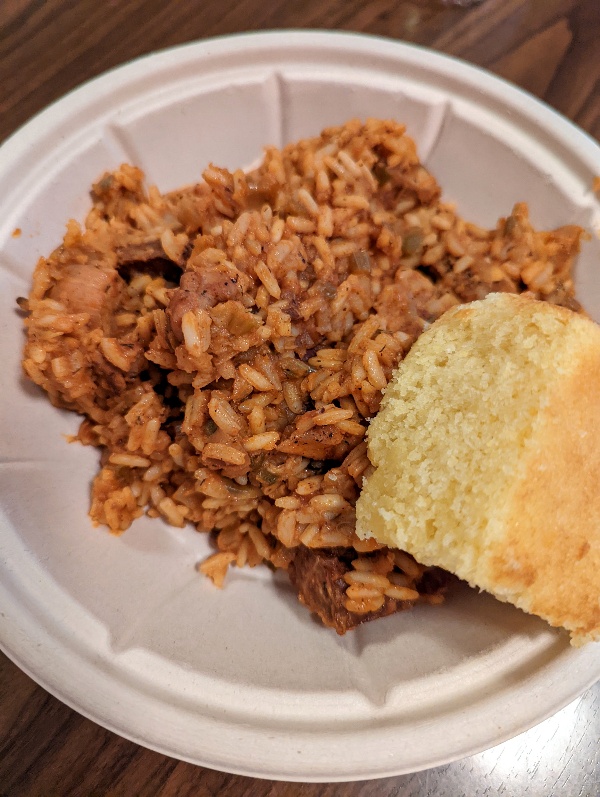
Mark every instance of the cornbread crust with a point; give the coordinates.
(554, 524)
(534, 540)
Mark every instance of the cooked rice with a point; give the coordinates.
(227, 344)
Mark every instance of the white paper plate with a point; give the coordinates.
(123, 629)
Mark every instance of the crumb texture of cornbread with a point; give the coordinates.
(487, 457)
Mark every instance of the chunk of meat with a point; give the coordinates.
(318, 576)
(110, 380)
(435, 581)
(470, 286)
(568, 242)
(139, 252)
(406, 182)
(563, 298)
(320, 442)
(404, 303)
(87, 288)
(201, 289)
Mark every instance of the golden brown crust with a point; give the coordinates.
(553, 528)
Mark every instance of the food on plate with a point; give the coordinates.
(487, 458)
(227, 344)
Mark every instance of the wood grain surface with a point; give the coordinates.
(47, 47)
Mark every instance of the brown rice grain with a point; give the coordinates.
(365, 577)
(332, 416)
(224, 453)
(173, 513)
(364, 605)
(265, 275)
(358, 592)
(407, 564)
(300, 224)
(463, 264)
(265, 441)
(224, 416)
(129, 461)
(255, 378)
(401, 593)
(216, 566)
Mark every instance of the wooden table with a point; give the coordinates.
(549, 47)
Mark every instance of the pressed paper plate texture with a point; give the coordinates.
(123, 628)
